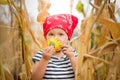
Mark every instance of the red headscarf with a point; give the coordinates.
(67, 22)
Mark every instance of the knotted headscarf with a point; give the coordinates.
(67, 22)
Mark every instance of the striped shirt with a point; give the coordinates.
(57, 68)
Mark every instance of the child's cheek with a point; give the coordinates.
(65, 42)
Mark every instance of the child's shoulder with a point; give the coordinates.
(37, 56)
(39, 52)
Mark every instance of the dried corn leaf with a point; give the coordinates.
(23, 75)
(43, 10)
(113, 27)
(42, 16)
(90, 70)
(27, 62)
(8, 74)
(104, 34)
(114, 70)
(98, 3)
(81, 51)
(108, 47)
(5, 73)
(2, 74)
(88, 30)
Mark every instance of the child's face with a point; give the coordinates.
(58, 33)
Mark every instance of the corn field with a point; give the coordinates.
(97, 41)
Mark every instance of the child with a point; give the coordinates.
(59, 65)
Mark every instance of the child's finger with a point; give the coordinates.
(51, 50)
(48, 49)
(64, 46)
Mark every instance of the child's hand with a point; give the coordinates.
(47, 52)
(68, 51)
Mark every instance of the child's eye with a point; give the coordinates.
(61, 34)
(51, 34)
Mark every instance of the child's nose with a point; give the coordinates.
(56, 36)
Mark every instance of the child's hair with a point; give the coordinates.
(67, 22)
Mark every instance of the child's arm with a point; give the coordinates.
(39, 70)
(73, 61)
(68, 51)
(40, 66)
